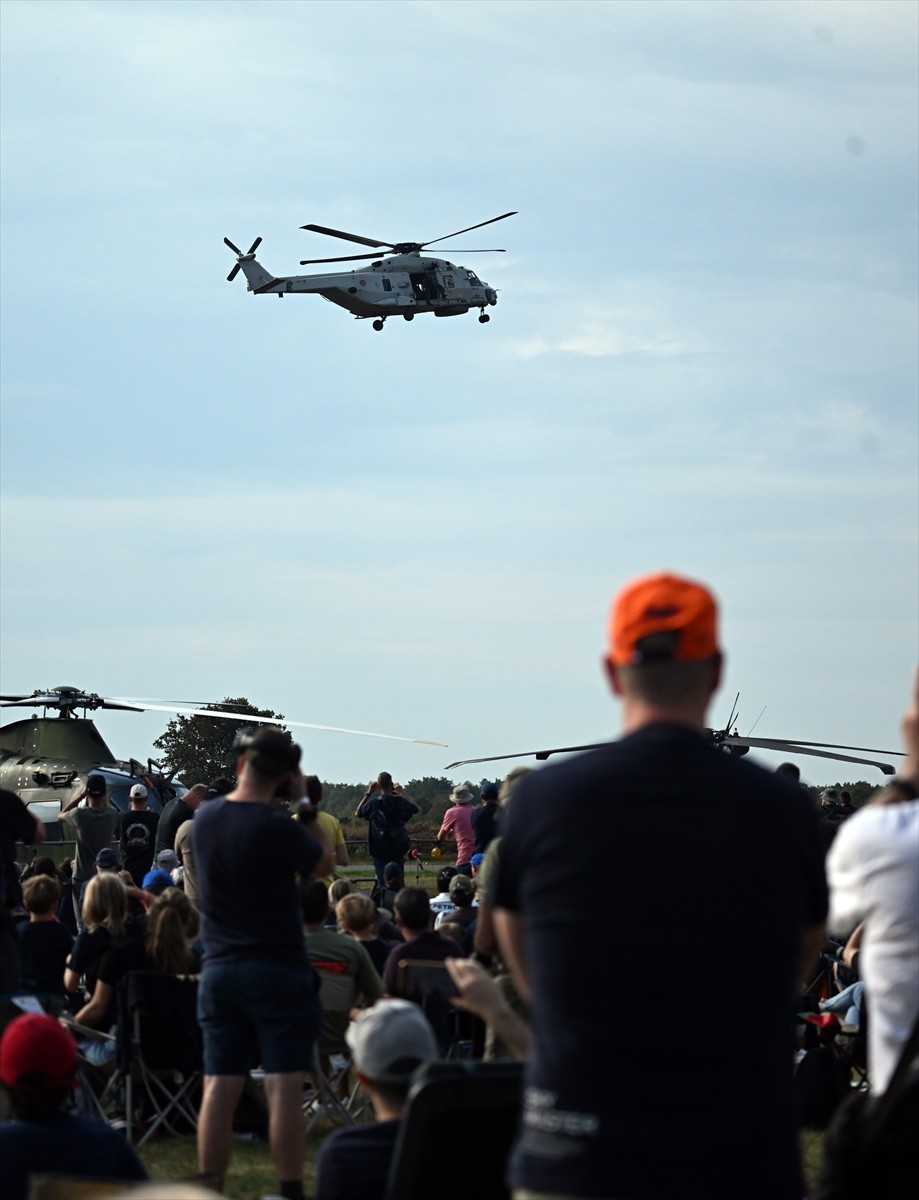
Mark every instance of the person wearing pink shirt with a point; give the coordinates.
(457, 827)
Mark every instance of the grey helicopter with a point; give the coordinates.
(404, 284)
(46, 759)
(727, 740)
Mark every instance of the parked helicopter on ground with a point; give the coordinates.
(404, 284)
(46, 760)
(726, 739)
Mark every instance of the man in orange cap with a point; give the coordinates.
(634, 1087)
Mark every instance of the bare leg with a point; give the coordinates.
(215, 1122)
(284, 1093)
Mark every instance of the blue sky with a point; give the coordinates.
(703, 358)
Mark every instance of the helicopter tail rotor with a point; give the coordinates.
(240, 257)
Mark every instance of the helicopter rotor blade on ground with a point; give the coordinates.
(348, 237)
(816, 749)
(796, 748)
(253, 719)
(781, 743)
(66, 701)
(540, 754)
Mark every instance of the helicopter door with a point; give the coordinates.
(420, 286)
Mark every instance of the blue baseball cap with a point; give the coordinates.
(158, 879)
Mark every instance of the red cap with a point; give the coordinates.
(657, 604)
(35, 1043)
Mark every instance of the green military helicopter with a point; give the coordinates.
(46, 759)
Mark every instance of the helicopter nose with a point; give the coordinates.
(491, 295)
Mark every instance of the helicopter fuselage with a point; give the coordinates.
(402, 284)
(46, 761)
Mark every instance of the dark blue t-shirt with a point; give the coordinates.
(65, 1145)
(353, 1164)
(247, 857)
(655, 877)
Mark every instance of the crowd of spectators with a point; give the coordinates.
(575, 953)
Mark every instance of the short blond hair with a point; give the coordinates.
(356, 912)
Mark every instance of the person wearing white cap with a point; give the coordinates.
(388, 1043)
(138, 835)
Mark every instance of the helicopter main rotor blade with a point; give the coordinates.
(305, 262)
(253, 719)
(540, 754)
(778, 743)
(469, 228)
(796, 748)
(349, 237)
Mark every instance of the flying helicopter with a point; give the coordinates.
(403, 284)
(726, 739)
(47, 759)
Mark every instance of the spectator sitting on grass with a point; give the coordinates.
(443, 902)
(388, 1042)
(393, 883)
(347, 974)
(462, 893)
(357, 915)
(337, 890)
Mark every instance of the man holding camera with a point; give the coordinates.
(387, 807)
(257, 986)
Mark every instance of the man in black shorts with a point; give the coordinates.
(641, 1081)
(257, 989)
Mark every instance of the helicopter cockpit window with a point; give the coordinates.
(474, 279)
(448, 281)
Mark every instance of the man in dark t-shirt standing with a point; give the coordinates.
(257, 989)
(387, 807)
(179, 810)
(636, 1086)
(138, 835)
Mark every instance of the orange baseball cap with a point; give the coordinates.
(657, 604)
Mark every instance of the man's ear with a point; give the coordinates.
(612, 676)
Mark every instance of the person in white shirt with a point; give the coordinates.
(873, 870)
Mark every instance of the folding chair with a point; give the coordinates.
(427, 983)
(480, 1101)
(160, 1050)
(332, 1093)
(96, 1085)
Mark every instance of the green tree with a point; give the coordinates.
(201, 748)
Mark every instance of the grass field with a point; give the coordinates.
(252, 1176)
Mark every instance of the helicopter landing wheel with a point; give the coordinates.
(378, 324)
(408, 316)
(484, 318)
